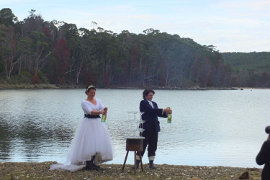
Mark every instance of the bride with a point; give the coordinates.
(91, 144)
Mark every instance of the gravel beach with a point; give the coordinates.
(29, 171)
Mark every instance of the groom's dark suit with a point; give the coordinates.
(150, 113)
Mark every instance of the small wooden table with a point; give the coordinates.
(134, 144)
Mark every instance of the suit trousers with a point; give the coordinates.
(151, 139)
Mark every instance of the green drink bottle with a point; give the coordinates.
(169, 120)
(103, 118)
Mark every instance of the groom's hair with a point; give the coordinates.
(146, 92)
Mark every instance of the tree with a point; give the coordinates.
(7, 17)
(40, 50)
(62, 53)
(8, 44)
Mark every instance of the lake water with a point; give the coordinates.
(213, 128)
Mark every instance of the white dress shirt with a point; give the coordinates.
(151, 104)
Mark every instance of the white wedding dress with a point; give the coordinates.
(91, 139)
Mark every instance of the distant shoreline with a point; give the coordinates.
(54, 86)
(30, 170)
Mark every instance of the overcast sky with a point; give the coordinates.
(230, 25)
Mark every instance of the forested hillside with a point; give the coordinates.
(251, 69)
(34, 51)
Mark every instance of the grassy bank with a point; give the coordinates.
(30, 171)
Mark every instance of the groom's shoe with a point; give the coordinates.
(151, 165)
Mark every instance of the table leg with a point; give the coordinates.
(141, 162)
(125, 161)
(135, 162)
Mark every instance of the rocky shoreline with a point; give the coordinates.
(30, 171)
(54, 86)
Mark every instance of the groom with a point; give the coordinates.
(150, 113)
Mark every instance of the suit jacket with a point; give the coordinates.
(150, 116)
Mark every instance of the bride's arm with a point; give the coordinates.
(89, 110)
(103, 108)
(94, 112)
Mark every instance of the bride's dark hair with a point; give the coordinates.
(88, 88)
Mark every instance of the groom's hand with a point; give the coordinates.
(167, 110)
